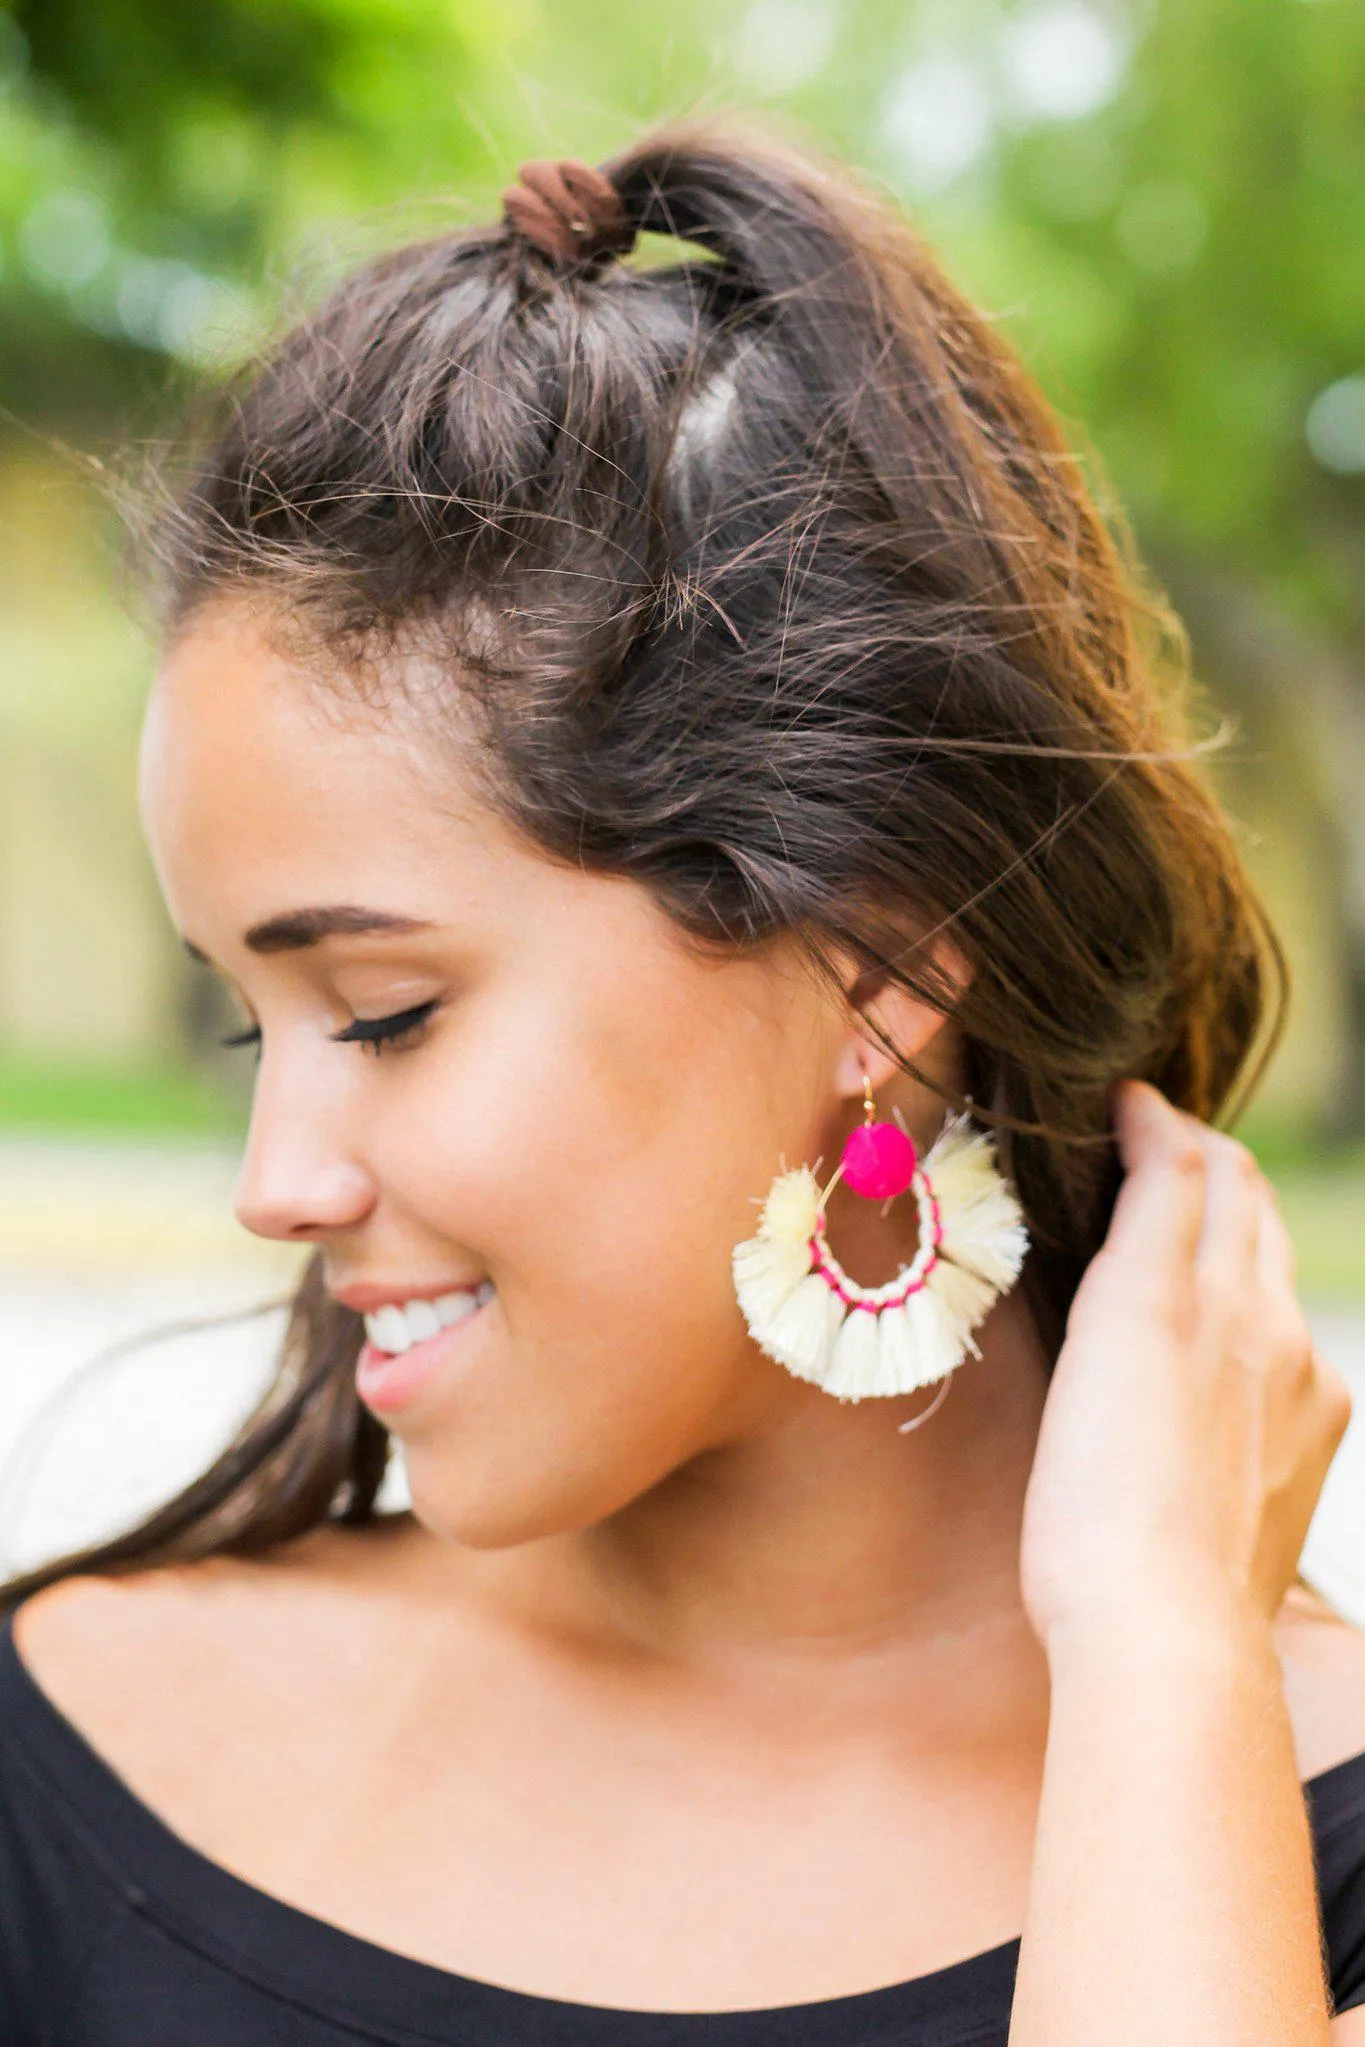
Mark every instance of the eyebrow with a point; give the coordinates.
(296, 930)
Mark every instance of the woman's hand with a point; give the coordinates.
(1184, 1441)
(1190, 1422)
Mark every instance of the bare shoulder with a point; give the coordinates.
(124, 1657)
(1323, 1659)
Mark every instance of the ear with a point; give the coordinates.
(895, 1014)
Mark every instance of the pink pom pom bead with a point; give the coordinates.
(879, 1161)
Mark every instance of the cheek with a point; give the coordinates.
(612, 1110)
(559, 1163)
(603, 1163)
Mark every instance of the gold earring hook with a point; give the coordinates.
(869, 1118)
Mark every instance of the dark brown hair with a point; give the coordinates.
(775, 586)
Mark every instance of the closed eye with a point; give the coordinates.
(378, 1031)
(250, 1036)
(372, 1031)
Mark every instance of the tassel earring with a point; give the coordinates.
(859, 1342)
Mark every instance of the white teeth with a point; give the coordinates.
(388, 1329)
(452, 1308)
(395, 1329)
(422, 1320)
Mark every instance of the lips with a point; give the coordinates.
(388, 1377)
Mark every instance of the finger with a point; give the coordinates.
(1230, 1233)
(1277, 1285)
(1276, 1260)
(1147, 1125)
(1324, 1406)
(1160, 1205)
(1337, 1400)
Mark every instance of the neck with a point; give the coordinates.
(827, 1531)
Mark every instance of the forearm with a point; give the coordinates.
(1172, 1895)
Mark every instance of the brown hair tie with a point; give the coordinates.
(568, 211)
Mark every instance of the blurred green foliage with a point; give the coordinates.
(1210, 227)
(1324, 1208)
(1166, 200)
(56, 1094)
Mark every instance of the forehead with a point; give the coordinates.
(253, 760)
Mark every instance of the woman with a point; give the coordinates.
(631, 738)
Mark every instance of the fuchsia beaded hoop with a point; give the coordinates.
(880, 1162)
(860, 1342)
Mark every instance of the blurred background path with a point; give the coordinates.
(100, 1243)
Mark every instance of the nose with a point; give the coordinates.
(298, 1182)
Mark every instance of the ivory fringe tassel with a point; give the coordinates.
(859, 1353)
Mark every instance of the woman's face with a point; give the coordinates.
(579, 1115)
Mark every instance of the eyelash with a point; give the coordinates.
(373, 1033)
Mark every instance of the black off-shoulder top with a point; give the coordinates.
(116, 1933)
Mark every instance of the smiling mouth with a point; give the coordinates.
(397, 1326)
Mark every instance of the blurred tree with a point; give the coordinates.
(153, 157)
(1212, 217)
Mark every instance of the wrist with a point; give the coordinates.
(1194, 1625)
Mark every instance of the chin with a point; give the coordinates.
(487, 1526)
(521, 1487)
(501, 1509)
